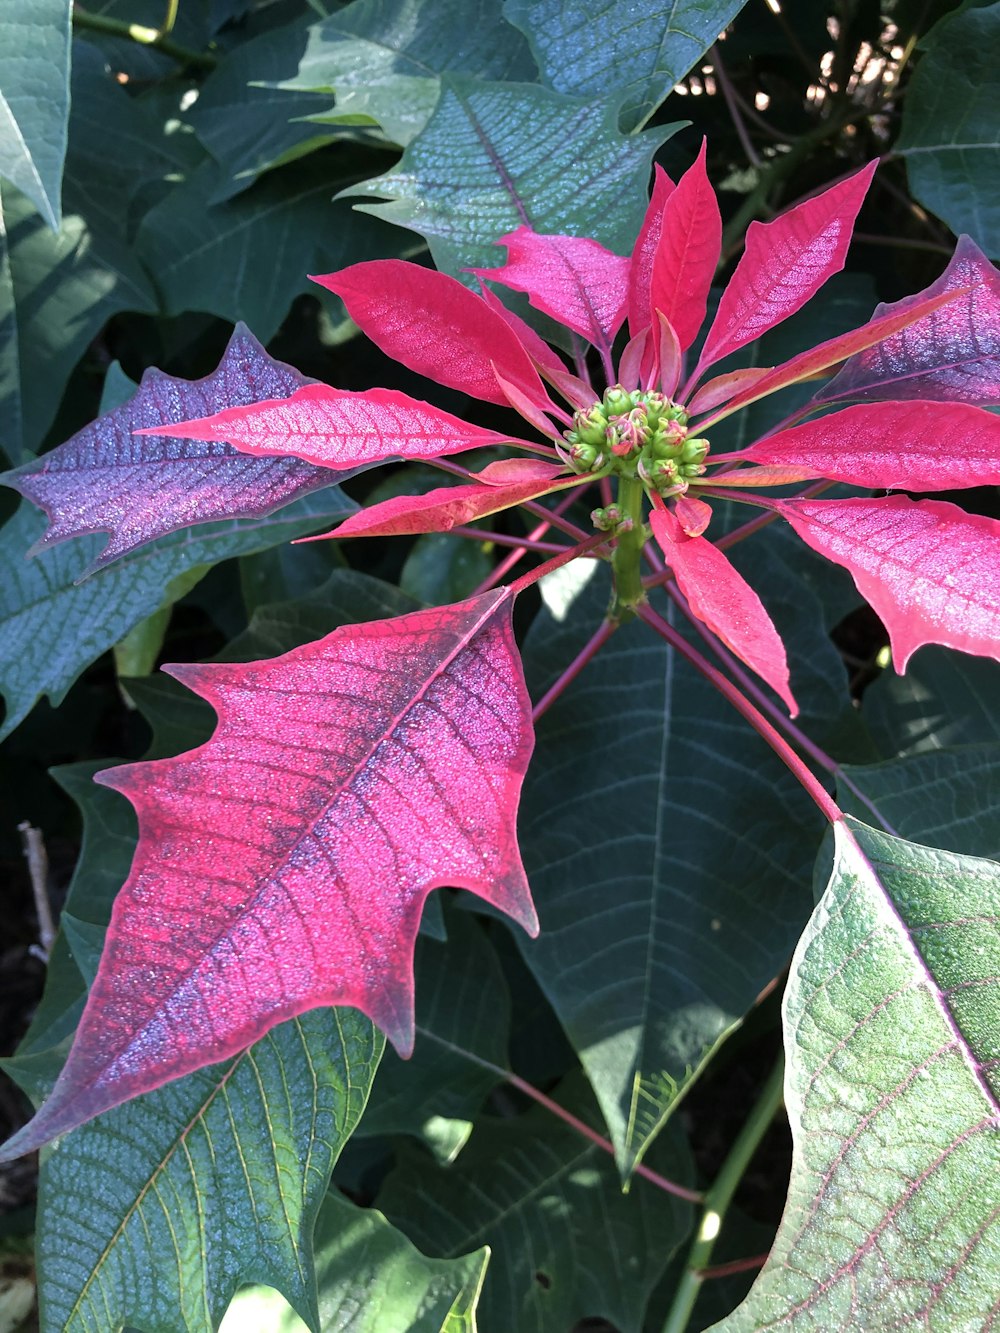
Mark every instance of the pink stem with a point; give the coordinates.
(753, 715)
(509, 561)
(734, 1266)
(571, 553)
(551, 516)
(681, 1191)
(506, 539)
(593, 645)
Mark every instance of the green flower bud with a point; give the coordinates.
(694, 451)
(617, 401)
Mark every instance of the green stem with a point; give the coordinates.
(137, 32)
(719, 1197)
(627, 559)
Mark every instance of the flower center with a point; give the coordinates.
(637, 434)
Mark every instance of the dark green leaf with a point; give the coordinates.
(618, 48)
(34, 99)
(946, 798)
(567, 1243)
(383, 58)
(495, 156)
(669, 853)
(155, 1212)
(892, 1020)
(248, 257)
(444, 568)
(950, 136)
(51, 627)
(944, 699)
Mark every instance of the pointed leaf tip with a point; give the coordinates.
(723, 600)
(284, 864)
(687, 253)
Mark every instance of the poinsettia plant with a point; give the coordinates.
(284, 864)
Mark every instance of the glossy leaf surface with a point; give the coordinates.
(156, 1212)
(431, 323)
(577, 282)
(528, 1185)
(927, 567)
(687, 253)
(107, 479)
(387, 761)
(34, 99)
(344, 429)
(655, 856)
(916, 446)
(951, 354)
(723, 600)
(496, 156)
(784, 264)
(891, 1020)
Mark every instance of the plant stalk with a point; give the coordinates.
(157, 38)
(719, 1197)
(626, 562)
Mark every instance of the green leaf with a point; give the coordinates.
(65, 287)
(463, 1013)
(945, 699)
(892, 1021)
(946, 798)
(950, 137)
(444, 568)
(250, 129)
(247, 258)
(634, 52)
(373, 1280)
(157, 1211)
(52, 627)
(495, 156)
(34, 99)
(568, 1244)
(383, 58)
(669, 853)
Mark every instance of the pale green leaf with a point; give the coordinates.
(496, 156)
(618, 48)
(34, 99)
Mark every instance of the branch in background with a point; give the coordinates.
(157, 38)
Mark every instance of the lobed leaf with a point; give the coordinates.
(345, 781)
(105, 478)
(927, 567)
(156, 1212)
(916, 446)
(435, 326)
(723, 600)
(784, 265)
(687, 253)
(384, 58)
(592, 46)
(496, 156)
(574, 280)
(892, 1093)
(568, 1243)
(951, 354)
(339, 429)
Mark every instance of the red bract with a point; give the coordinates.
(285, 863)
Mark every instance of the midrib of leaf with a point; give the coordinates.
(505, 178)
(668, 676)
(423, 70)
(161, 1166)
(432, 677)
